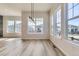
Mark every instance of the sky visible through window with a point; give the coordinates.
(75, 12)
(74, 22)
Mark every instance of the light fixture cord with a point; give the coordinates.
(32, 11)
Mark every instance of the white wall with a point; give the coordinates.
(26, 35)
(63, 44)
(5, 33)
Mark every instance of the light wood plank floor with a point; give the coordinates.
(17, 47)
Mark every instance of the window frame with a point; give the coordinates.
(35, 27)
(51, 23)
(14, 25)
(55, 22)
(73, 18)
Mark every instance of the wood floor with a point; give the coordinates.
(18, 47)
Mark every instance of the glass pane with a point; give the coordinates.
(73, 29)
(36, 26)
(75, 4)
(11, 26)
(76, 10)
(39, 24)
(31, 25)
(58, 22)
(70, 13)
(30, 22)
(31, 28)
(18, 26)
(39, 21)
(70, 5)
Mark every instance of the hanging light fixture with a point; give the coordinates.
(32, 12)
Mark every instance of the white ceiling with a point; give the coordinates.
(17, 8)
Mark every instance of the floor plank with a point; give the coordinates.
(18, 47)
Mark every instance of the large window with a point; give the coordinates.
(73, 10)
(58, 22)
(73, 21)
(14, 26)
(17, 26)
(52, 25)
(10, 26)
(35, 26)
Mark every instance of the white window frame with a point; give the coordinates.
(35, 27)
(51, 24)
(66, 24)
(73, 17)
(70, 18)
(55, 23)
(14, 26)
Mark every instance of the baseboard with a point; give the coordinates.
(63, 54)
(35, 39)
(11, 37)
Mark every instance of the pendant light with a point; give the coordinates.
(32, 12)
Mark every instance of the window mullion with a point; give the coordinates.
(73, 11)
(14, 25)
(35, 24)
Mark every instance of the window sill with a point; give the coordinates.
(34, 33)
(13, 32)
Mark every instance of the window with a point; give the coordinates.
(31, 25)
(73, 10)
(52, 24)
(36, 25)
(14, 26)
(17, 26)
(58, 22)
(10, 26)
(73, 22)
